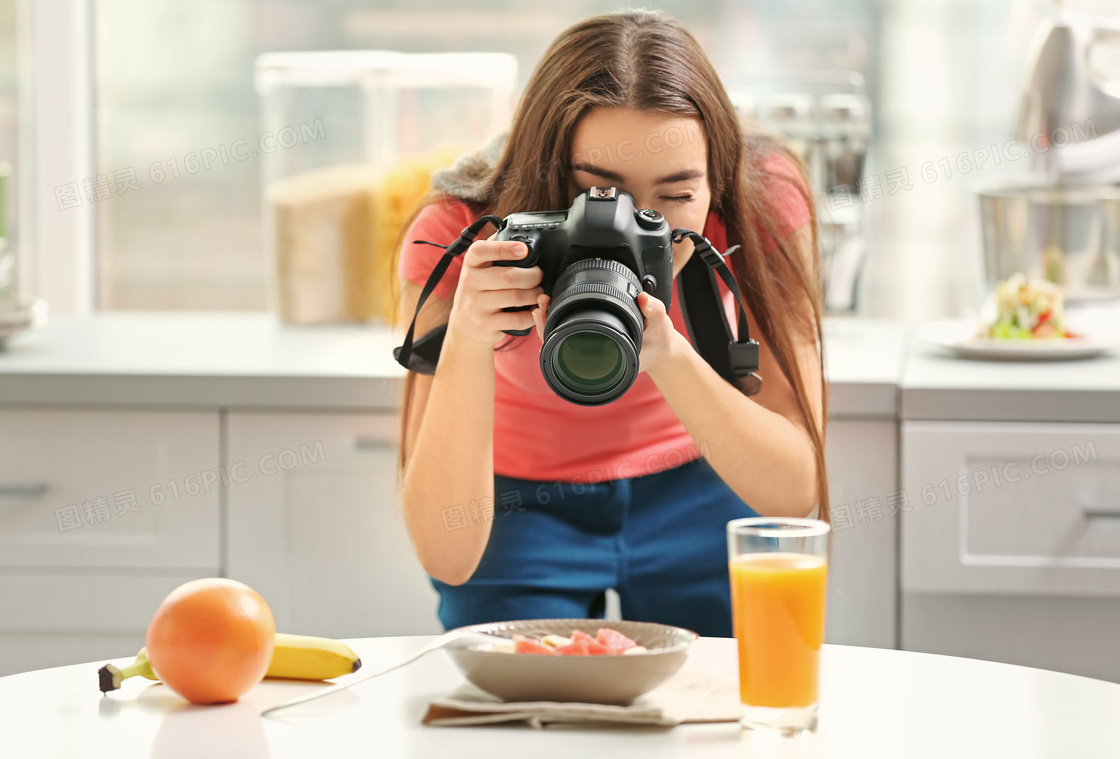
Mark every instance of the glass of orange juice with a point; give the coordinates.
(779, 572)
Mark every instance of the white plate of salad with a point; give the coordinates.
(1024, 320)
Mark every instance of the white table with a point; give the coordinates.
(875, 703)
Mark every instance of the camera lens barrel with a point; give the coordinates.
(593, 334)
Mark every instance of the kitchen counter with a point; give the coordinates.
(936, 386)
(250, 360)
(200, 359)
(863, 360)
(875, 368)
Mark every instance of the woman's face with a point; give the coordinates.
(659, 158)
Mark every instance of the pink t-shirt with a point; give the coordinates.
(537, 434)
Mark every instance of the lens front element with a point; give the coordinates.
(589, 362)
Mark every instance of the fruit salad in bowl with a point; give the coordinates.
(606, 641)
(582, 660)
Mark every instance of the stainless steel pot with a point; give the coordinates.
(1069, 235)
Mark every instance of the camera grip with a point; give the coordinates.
(518, 332)
(527, 262)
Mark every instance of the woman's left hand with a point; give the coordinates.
(660, 340)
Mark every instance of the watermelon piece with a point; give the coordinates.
(523, 645)
(594, 647)
(575, 648)
(614, 641)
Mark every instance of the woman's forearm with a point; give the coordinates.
(766, 459)
(451, 464)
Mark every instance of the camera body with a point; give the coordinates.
(602, 223)
(595, 259)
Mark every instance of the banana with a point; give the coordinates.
(297, 657)
(306, 657)
(110, 677)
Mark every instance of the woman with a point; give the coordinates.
(523, 505)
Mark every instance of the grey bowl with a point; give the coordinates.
(1067, 234)
(614, 679)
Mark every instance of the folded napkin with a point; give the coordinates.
(688, 696)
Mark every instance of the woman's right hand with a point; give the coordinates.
(484, 289)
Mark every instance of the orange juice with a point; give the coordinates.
(777, 602)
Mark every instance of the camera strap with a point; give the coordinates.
(736, 360)
(423, 355)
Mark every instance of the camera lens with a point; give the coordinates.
(594, 332)
(589, 362)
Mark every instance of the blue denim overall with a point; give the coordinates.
(659, 540)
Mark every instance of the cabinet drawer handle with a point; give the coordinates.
(372, 443)
(31, 490)
(1101, 512)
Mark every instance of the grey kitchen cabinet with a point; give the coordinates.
(108, 488)
(102, 513)
(314, 524)
(862, 460)
(1016, 529)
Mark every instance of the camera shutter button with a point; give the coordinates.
(529, 253)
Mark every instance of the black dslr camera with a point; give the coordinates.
(595, 258)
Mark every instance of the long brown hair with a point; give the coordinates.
(646, 60)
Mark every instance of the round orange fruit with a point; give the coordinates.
(211, 640)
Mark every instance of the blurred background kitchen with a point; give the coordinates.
(198, 201)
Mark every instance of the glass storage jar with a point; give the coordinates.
(348, 142)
